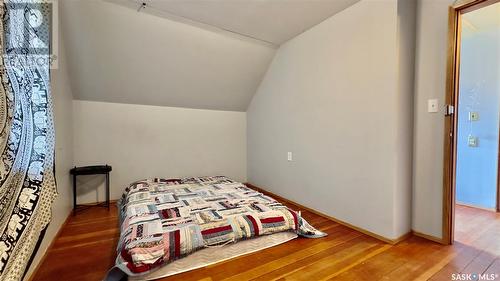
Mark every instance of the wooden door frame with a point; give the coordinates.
(451, 120)
(498, 175)
(498, 172)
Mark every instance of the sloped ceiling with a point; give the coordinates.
(117, 54)
(273, 21)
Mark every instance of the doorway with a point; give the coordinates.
(471, 170)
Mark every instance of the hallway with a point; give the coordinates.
(480, 230)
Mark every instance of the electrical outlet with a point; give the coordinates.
(472, 141)
(290, 156)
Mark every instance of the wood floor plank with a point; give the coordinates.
(86, 248)
(385, 263)
(335, 263)
(337, 236)
(295, 258)
(480, 263)
(421, 263)
(494, 268)
(458, 263)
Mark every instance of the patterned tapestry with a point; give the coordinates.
(27, 184)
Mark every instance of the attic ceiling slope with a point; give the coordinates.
(116, 54)
(272, 21)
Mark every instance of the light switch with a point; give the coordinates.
(472, 141)
(432, 106)
(290, 156)
(473, 116)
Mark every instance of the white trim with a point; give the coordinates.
(476, 207)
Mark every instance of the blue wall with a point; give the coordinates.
(479, 92)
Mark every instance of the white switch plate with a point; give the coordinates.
(432, 106)
(473, 116)
(290, 156)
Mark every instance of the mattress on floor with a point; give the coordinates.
(210, 256)
(165, 220)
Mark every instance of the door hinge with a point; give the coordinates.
(449, 110)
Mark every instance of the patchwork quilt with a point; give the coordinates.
(164, 220)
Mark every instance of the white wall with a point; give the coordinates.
(332, 97)
(477, 167)
(430, 83)
(141, 141)
(62, 99)
(404, 130)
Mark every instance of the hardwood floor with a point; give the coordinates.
(85, 250)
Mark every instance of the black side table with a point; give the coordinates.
(90, 170)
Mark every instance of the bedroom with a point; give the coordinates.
(333, 108)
